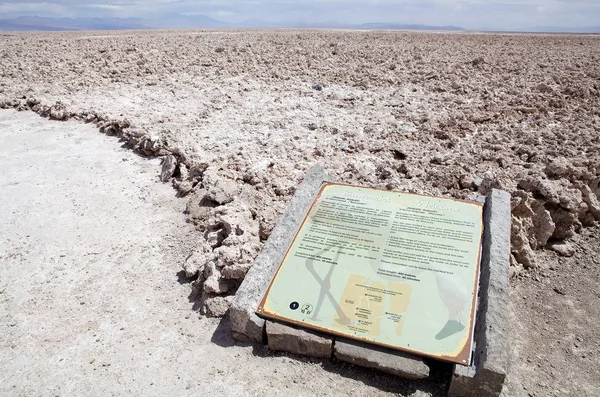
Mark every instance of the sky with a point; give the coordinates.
(470, 14)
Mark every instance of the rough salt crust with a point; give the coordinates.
(443, 114)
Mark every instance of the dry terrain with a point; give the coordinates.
(92, 299)
(238, 116)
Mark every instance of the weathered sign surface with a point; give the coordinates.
(394, 269)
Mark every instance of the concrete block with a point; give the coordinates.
(244, 323)
(254, 331)
(485, 377)
(293, 340)
(391, 361)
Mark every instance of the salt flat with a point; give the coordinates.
(245, 113)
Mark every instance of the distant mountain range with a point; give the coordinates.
(544, 29)
(562, 29)
(178, 21)
(49, 24)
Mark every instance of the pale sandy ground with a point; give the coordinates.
(90, 304)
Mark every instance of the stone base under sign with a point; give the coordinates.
(393, 362)
(490, 357)
(294, 340)
(485, 377)
(310, 343)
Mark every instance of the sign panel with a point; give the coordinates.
(394, 269)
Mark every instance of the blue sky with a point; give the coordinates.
(466, 13)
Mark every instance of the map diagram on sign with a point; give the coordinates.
(393, 269)
(369, 303)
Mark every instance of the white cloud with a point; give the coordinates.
(467, 13)
(106, 6)
(50, 9)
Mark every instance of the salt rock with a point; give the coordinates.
(569, 198)
(558, 167)
(559, 192)
(199, 207)
(590, 199)
(566, 224)
(183, 172)
(215, 238)
(184, 187)
(519, 204)
(534, 219)
(541, 187)
(361, 168)
(544, 88)
(261, 166)
(489, 182)
(267, 218)
(283, 188)
(543, 225)
(219, 189)
(227, 255)
(234, 235)
(217, 306)
(563, 248)
(466, 182)
(595, 186)
(236, 223)
(58, 111)
(236, 272)
(520, 245)
(194, 264)
(587, 219)
(169, 166)
(214, 283)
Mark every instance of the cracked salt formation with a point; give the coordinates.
(444, 114)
